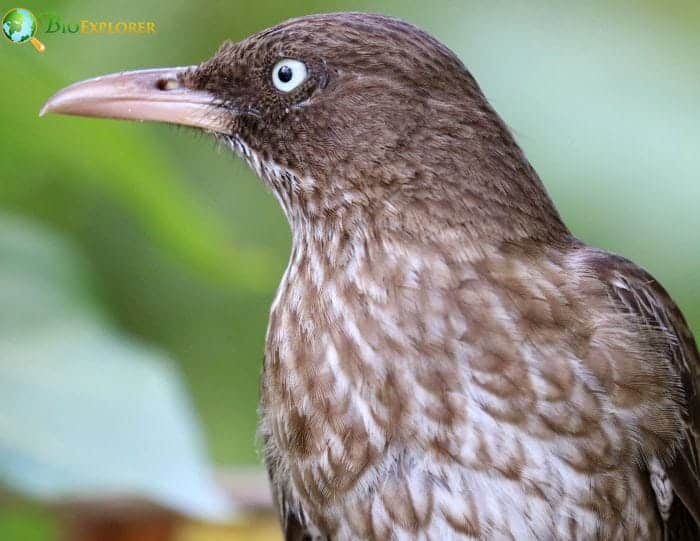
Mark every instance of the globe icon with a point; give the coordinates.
(19, 26)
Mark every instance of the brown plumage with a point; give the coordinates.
(444, 359)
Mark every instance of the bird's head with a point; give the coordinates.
(346, 116)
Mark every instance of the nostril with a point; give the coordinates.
(167, 84)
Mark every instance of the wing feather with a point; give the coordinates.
(638, 293)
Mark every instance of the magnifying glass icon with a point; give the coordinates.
(19, 26)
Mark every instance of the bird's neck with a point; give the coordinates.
(458, 210)
(475, 187)
(346, 288)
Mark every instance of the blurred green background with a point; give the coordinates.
(183, 248)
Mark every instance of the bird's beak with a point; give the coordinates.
(155, 94)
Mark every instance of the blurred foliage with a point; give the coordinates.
(188, 247)
(255, 529)
(25, 522)
(86, 412)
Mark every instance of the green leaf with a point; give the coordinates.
(85, 412)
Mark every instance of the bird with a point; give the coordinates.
(444, 359)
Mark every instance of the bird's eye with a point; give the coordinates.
(288, 74)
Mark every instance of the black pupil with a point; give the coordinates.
(285, 74)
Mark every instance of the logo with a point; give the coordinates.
(19, 26)
(56, 25)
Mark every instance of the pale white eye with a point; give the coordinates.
(288, 74)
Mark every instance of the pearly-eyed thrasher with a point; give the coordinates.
(444, 359)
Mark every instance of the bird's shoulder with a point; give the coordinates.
(661, 333)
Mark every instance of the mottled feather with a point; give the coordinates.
(638, 293)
